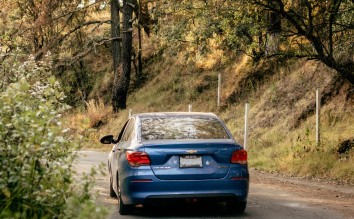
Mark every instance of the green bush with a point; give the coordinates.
(36, 158)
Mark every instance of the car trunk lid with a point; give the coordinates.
(190, 159)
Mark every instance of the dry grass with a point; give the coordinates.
(87, 123)
(97, 112)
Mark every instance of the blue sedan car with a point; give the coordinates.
(190, 157)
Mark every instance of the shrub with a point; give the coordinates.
(97, 112)
(36, 158)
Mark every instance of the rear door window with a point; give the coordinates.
(129, 131)
(182, 127)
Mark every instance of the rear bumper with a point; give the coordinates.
(146, 188)
(183, 198)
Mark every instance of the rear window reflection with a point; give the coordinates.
(163, 128)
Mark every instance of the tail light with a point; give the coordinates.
(137, 158)
(239, 156)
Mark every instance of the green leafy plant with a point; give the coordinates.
(36, 157)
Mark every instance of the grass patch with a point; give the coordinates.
(296, 152)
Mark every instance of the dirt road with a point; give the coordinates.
(270, 197)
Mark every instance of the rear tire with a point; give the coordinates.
(112, 193)
(124, 209)
(236, 207)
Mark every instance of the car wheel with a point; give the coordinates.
(123, 209)
(112, 193)
(236, 207)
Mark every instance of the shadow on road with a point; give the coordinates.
(199, 210)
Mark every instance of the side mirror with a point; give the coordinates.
(108, 139)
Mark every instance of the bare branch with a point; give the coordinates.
(80, 55)
(60, 40)
(78, 9)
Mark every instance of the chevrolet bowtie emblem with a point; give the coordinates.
(192, 151)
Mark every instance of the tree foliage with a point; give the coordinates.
(259, 28)
(64, 28)
(36, 156)
(315, 29)
(326, 25)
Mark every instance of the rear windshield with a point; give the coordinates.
(182, 127)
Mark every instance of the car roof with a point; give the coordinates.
(166, 114)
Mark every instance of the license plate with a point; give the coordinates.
(190, 161)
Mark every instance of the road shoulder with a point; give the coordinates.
(328, 194)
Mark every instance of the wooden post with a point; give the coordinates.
(219, 90)
(318, 113)
(130, 113)
(190, 108)
(246, 126)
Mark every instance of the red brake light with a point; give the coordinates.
(137, 158)
(239, 156)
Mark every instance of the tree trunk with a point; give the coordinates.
(139, 74)
(115, 33)
(273, 32)
(116, 51)
(120, 100)
(272, 46)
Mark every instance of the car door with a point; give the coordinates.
(113, 161)
(118, 150)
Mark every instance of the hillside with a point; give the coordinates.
(281, 93)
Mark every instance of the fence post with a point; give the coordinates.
(318, 113)
(130, 113)
(219, 90)
(246, 126)
(190, 108)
